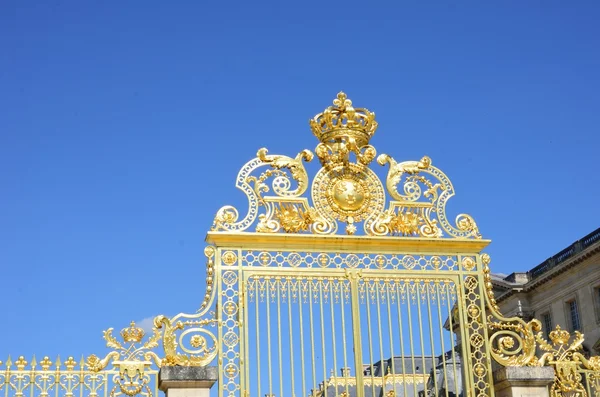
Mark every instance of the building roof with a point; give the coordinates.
(550, 268)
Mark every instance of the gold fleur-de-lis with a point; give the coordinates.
(21, 363)
(45, 363)
(70, 363)
(342, 101)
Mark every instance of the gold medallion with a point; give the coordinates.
(347, 193)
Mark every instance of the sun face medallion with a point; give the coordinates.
(348, 193)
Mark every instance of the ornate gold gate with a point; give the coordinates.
(300, 309)
(398, 304)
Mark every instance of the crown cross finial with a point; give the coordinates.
(132, 334)
(342, 120)
(343, 129)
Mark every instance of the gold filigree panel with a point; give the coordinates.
(327, 260)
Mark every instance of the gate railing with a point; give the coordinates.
(129, 369)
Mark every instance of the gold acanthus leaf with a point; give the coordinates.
(543, 343)
(152, 342)
(111, 341)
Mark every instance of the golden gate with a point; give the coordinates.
(358, 289)
(340, 284)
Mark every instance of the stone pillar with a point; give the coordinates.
(187, 381)
(523, 381)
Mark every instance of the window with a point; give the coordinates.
(596, 300)
(597, 297)
(547, 322)
(574, 314)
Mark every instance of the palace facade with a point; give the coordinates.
(563, 290)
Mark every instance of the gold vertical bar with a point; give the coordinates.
(8, 375)
(278, 282)
(323, 337)
(486, 345)
(451, 326)
(420, 327)
(312, 335)
(379, 333)
(466, 363)
(391, 334)
(358, 361)
(303, 367)
(289, 281)
(32, 379)
(246, 340)
(269, 335)
(344, 344)
(333, 336)
(587, 383)
(256, 299)
(431, 337)
(218, 316)
(439, 311)
(410, 337)
(401, 336)
(370, 338)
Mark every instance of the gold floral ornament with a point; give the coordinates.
(131, 357)
(563, 353)
(345, 190)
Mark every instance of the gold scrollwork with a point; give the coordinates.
(512, 340)
(421, 196)
(254, 187)
(188, 333)
(203, 342)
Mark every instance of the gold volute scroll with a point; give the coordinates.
(345, 190)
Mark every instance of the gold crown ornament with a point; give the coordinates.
(342, 120)
(559, 336)
(132, 333)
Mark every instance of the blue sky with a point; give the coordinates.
(123, 127)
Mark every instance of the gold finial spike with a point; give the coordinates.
(33, 362)
(58, 363)
(8, 362)
(343, 122)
